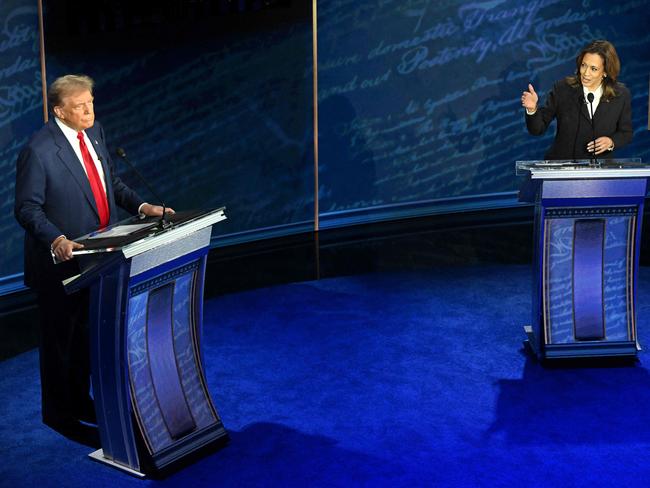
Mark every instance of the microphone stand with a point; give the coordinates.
(163, 223)
(590, 97)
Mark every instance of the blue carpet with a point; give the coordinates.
(393, 379)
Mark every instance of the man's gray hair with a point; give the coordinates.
(65, 85)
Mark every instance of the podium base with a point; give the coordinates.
(575, 350)
(98, 456)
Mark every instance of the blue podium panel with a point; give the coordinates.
(587, 262)
(170, 396)
(108, 355)
(587, 228)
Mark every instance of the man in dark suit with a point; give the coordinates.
(66, 187)
(597, 69)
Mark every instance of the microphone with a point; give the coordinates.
(590, 97)
(164, 223)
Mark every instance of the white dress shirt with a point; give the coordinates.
(597, 95)
(71, 135)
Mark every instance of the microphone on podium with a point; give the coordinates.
(590, 98)
(164, 223)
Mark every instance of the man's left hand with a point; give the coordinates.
(155, 210)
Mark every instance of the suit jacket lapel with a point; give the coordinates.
(68, 157)
(102, 153)
(603, 110)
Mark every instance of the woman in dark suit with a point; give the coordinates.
(597, 69)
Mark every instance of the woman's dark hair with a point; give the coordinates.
(611, 65)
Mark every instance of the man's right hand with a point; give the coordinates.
(62, 248)
(529, 99)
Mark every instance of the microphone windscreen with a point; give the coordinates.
(120, 152)
(590, 97)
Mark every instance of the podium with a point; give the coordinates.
(146, 301)
(587, 239)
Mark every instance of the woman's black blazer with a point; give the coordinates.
(613, 118)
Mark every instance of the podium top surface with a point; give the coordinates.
(583, 169)
(136, 235)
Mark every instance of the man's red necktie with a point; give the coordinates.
(95, 183)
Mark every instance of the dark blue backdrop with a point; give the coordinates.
(418, 100)
(20, 113)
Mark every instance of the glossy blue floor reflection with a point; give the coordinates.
(392, 379)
